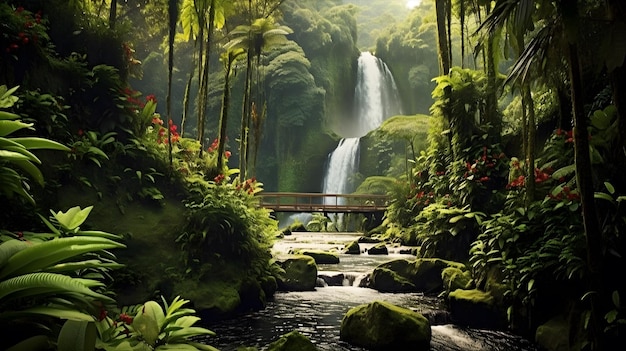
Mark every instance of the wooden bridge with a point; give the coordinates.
(326, 203)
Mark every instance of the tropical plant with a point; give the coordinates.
(15, 152)
(46, 278)
(153, 327)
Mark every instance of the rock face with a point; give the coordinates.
(300, 273)
(292, 341)
(381, 326)
(424, 274)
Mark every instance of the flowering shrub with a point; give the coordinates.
(22, 30)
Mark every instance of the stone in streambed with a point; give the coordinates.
(300, 273)
(378, 249)
(292, 341)
(381, 326)
(352, 248)
(320, 256)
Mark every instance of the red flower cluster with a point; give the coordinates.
(126, 318)
(540, 177)
(569, 135)
(214, 146)
(481, 168)
(162, 132)
(248, 186)
(566, 193)
(27, 33)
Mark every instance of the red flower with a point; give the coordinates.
(126, 318)
(227, 154)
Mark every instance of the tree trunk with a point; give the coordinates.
(113, 14)
(584, 180)
(224, 115)
(173, 19)
(529, 107)
(444, 55)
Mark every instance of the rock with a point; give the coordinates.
(333, 279)
(378, 249)
(381, 326)
(369, 240)
(320, 256)
(474, 308)
(386, 280)
(352, 248)
(292, 341)
(554, 334)
(456, 278)
(424, 273)
(300, 273)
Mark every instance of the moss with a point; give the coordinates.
(292, 341)
(321, 256)
(383, 326)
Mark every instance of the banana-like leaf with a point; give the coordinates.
(52, 311)
(10, 156)
(203, 347)
(9, 248)
(32, 170)
(100, 234)
(74, 266)
(24, 151)
(8, 115)
(8, 127)
(35, 143)
(35, 284)
(46, 254)
(183, 334)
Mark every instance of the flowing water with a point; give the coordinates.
(317, 314)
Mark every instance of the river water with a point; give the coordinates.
(317, 314)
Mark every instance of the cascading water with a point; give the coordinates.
(376, 98)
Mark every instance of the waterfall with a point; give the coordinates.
(376, 98)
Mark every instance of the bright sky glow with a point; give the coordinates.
(412, 3)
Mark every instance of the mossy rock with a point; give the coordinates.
(456, 278)
(300, 273)
(386, 280)
(378, 249)
(381, 326)
(352, 248)
(320, 256)
(292, 341)
(474, 308)
(554, 334)
(424, 273)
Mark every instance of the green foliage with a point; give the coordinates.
(47, 277)
(151, 326)
(225, 220)
(15, 152)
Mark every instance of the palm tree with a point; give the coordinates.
(228, 59)
(262, 34)
(199, 18)
(173, 19)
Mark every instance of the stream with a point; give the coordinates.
(317, 314)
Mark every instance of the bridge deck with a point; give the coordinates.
(327, 203)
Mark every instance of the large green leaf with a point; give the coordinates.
(41, 284)
(46, 254)
(9, 248)
(33, 143)
(52, 311)
(72, 218)
(8, 127)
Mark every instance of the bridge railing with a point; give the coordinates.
(319, 202)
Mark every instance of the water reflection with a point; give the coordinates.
(317, 314)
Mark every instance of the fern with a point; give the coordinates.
(40, 284)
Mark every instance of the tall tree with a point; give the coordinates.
(172, 9)
(228, 59)
(262, 34)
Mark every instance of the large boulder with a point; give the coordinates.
(320, 256)
(386, 280)
(381, 326)
(300, 273)
(554, 334)
(474, 308)
(292, 341)
(424, 273)
(456, 278)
